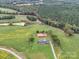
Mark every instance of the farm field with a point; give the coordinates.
(16, 19)
(70, 49)
(7, 10)
(28, 8)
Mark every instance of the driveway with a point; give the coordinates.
(53, 51)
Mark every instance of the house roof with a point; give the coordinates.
(41, 35)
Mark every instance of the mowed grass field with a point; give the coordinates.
(5, 55)
(69, 45)
(17, 37)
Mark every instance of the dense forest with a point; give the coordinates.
(61, 13)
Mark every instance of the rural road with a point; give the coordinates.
(11, 52)
(16, 24)
(53, 51)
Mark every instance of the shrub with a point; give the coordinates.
(32, 18)
(10, 24)
(55, 40)
(68, 30)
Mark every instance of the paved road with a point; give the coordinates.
(53, 51)
(11, 52)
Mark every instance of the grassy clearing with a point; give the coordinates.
(5, 55)
(69, 45)
(16, 37)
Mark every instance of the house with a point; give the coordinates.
(41, 35)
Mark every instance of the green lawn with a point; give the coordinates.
(5, 55)
(17, 37)
(69, 45)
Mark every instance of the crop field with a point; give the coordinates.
(7, 10)
(16, 19)
(29, 8)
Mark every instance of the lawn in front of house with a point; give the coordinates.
(17, 37)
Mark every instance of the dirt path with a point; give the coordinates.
(11, 52)
(53, 51)
(15, 24)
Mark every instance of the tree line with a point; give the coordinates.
(32, 18)
(6, 17)
(63, 14)
(67, 28)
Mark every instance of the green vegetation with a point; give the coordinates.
(6, 10)
(19, 8)
(61, 13)
(5, 55)
(12, 36)
(26, 8)
(17, 37)
(7, 17)
(67, 30)
(21, 39)
(15, 18)
(69, 45)
(32, 18)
